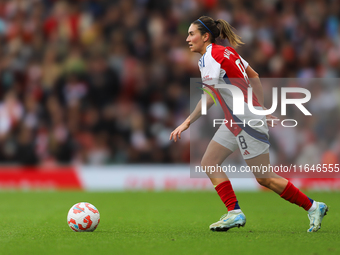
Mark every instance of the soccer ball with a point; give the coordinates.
(83, 217)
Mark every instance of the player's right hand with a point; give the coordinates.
(176, 134)
(271, 120)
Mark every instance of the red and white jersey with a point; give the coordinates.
(223, 65)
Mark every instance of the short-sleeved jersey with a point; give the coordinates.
(223, 65)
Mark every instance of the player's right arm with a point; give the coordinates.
(255, 84)
(176, 134)
(258, 91)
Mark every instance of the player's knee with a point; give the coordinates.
(266, 182)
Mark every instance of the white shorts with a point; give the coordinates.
(250, 145)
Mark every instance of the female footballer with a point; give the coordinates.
(222, 65)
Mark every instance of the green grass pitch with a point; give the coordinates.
(163, 223)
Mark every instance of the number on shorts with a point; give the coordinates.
(242, 142)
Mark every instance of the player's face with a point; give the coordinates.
(195, 39)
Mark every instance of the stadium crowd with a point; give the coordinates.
(105, 82)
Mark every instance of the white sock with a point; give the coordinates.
(313, 207)
(235, 211)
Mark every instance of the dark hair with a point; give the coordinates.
(219, 28)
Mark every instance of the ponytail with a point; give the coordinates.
(216, 29)
(226, 31)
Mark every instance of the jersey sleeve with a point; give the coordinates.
(211, 72)
(245, 63)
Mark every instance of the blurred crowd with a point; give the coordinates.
(106, 81)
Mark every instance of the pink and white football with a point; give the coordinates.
(83, 217)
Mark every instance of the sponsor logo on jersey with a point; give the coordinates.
(206, 78)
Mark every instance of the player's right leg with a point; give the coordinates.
(215, 155)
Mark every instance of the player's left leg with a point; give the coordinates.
(215, 154)
(283, 187)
